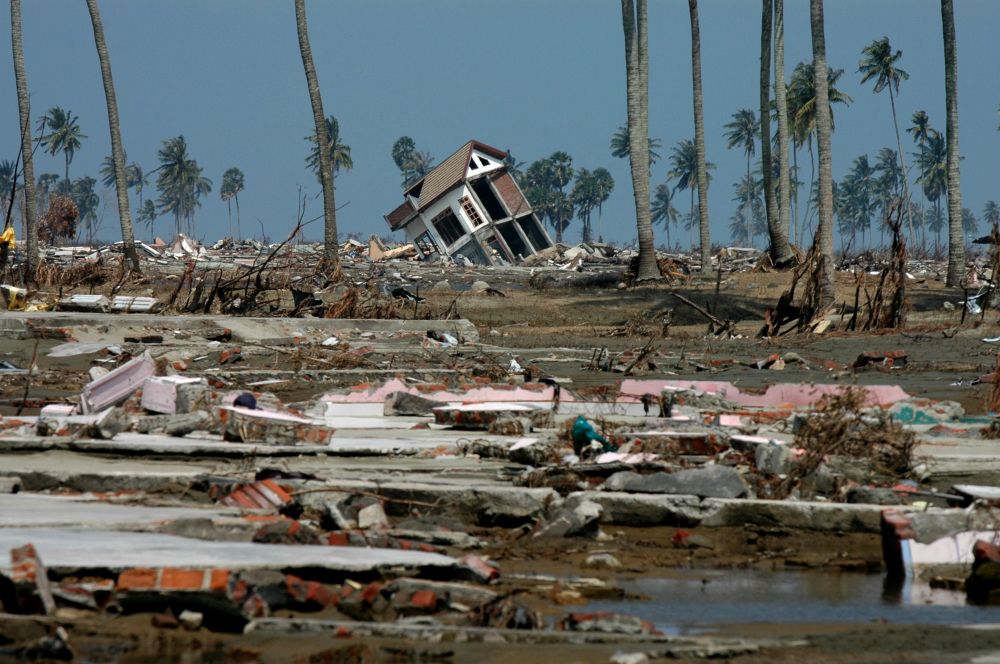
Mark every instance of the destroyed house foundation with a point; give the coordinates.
(470, 207)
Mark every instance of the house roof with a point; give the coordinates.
(400, 215)
(449, 173)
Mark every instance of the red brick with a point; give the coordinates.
(138, 578)
(182, 579)
(424, 599)
(219, 580)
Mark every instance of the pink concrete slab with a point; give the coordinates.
(794, 394)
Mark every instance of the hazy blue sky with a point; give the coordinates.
(531, 77)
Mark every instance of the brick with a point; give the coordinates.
(424, 599)
(182, 579)
(138, 578)
(219, 579)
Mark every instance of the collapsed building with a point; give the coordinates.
(470, 206)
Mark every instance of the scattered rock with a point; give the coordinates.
(480, 286)
(948, 306)
(441, 286)
(372, 516)
(191, 620)
(629, 658)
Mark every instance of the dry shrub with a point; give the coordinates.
(76, 275)
(350, 305)
(59, 220)
(843, 425)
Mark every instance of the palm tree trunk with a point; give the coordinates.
(956, 243)
(117, 153)
(795, 157)
(331, 256)
(701, 174)
(824, 229)
(24, 117)
(239, 227)
(746, 212)
(781, 103)
(637, 72)
(600, 226)
(781, 252)
(902, 161)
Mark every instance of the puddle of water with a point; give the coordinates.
(691, 601)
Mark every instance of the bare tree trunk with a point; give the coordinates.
(331, 257)
(902, 162)
(824, 228)
(956, 241)
(117, 152)
(24, 115)
(699, 140)
(781, 104)
(781, 252)
(637, 79)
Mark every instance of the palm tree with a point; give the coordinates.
(781, 106)
(340, 154)
(933, 162)
(970, 225)
(180, 183)
(801, 96)
(232, 185)
(605, 185)
(748, 192)
(64, 134)
(402, 154)
(862, 186)
(586, 196)
(117, 151)
(824, 126)
(421, 163)
(146, 215)
(331, 255)
(24, 115)
(921, 131)
(888, 181)
(956, 245)
(991, 214)
(701, 169)
(662, 208)
(880, 63)
(562, 168)
(8, 180)
(743, 133)
(637, 90)
(684, 169)
(780, 250)
(621, 148)
(86, 200)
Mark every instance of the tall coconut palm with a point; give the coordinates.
(605, 185)
(889, 180)
(180, 183)
(933, 179)
(662, 208)
(117, 151)
(956, 245)
(146, 215)
(24, 115)
(781, 106)
(880, 63)
(64, 134)
(991, 213)
(621, 148)
(684, 169)
(340, 154)
(232, 185)
(802, 113)
(8, 182)
(331, 255)
(921, 131)
(86, 200)
(824, 125)
(780, 251)
(743, 133)
(637, 90)
(701, 170)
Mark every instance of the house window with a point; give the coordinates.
(426, 244)
(448, 227)
(498, 249)
(473, 164)
(470, 211)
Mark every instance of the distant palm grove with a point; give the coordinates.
(787, 195)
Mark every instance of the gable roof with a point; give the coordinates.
(449, 173)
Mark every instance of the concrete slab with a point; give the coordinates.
(90, 548)
(20, 509)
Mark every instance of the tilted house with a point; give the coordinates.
(470, 206)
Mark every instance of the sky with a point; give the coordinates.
(529, 76)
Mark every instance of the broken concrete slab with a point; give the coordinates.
(76, 548)
(707, 482)
(116, 386)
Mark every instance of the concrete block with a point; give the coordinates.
(774, 458)
(116, 386)
(372, 516)
(709, 481)
(159, 393)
